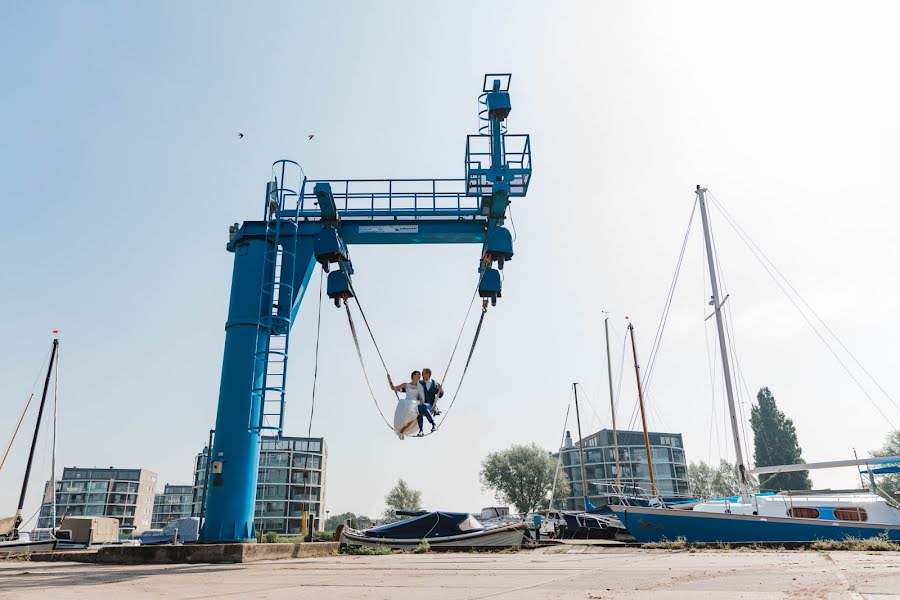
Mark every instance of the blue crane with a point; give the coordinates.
(314, 222)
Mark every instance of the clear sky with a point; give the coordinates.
(121, 170)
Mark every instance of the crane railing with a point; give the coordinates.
(388, 198)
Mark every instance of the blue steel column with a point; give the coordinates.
(231, 497)
(231, 500)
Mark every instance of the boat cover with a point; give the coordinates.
(7, 525)
(427, 526)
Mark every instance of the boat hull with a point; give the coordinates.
(19, 547)
(506, 536)
(663, 524)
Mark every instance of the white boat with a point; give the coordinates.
(25, 546)
(440, 530)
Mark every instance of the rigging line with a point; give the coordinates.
(466, 367)
(24, 411)
(590, 403)
(560, 455)
(621, 369)
(739, 372)
(459, 336)
(369, 328)
(312, 407)
(728, 321)
(363, 364)
(822, 338)
(16, 430)
(714, 424)
(471, 351)
(748, 241)
(660, 329)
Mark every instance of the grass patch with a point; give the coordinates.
(366, 550)
(874, 544)
(677, 544)
(423, 547)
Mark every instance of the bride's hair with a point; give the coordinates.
(413, 374)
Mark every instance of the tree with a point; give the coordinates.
(331, 523)
(522, 476)
(775, 443)
(890, 483)
(401, 497)
(708, 481)
(700, 477)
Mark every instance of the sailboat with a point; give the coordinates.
(792, 516)
(11, 540)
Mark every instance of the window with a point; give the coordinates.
(803, 512)
(851, 514)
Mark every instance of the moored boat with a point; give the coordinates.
(440, 530)
(788, 516)
(662, 524)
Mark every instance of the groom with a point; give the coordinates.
(432, 390)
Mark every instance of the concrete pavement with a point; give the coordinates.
(582, 573)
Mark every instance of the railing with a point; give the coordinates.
(515, 154)
(388, 198)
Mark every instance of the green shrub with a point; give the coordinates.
(423, 547)
(271, 537)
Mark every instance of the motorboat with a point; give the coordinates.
(439, 529)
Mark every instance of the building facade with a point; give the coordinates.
(291, 480)
(175, 502)
(666, 449)
(126, 494)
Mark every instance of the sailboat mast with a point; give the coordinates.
(584, 483)
(720, 327)
(637, 375)
(612, 406)
(37, 427)
(53, 455)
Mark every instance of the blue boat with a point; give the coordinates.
(801, 516)
(668, 524)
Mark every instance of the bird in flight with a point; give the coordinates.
(240, 136)
(310, 136)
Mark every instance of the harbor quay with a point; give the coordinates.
(574, 571)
